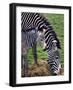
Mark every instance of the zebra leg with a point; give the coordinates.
(24, 65)
(34, 50)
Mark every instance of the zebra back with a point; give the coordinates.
(36, 21)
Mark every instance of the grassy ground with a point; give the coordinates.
(57, 21)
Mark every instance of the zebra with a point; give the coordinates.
(28, 40)
(36, 22)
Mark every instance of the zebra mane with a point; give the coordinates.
(55, 36)
(49, 27)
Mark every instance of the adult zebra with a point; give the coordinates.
(38, 26)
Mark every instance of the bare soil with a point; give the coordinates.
(40, 69)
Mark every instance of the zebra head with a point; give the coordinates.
(51, 45)
(54, 61)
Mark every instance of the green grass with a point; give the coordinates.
(41, 55)
(57, 21)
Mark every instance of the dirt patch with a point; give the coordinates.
(40, 69)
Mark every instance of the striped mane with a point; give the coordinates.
(49, 27)
(58, 42)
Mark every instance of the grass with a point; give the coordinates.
(57, 21)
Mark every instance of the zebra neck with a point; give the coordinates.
(52, 49)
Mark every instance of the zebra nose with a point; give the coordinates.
(54, 74)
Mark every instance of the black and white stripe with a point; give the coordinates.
(30, 37)
(54, 60)
(36, 22)
(52, 46)
(32, 20)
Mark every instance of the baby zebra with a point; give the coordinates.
(35, 26)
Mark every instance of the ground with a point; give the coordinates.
(40, 69)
